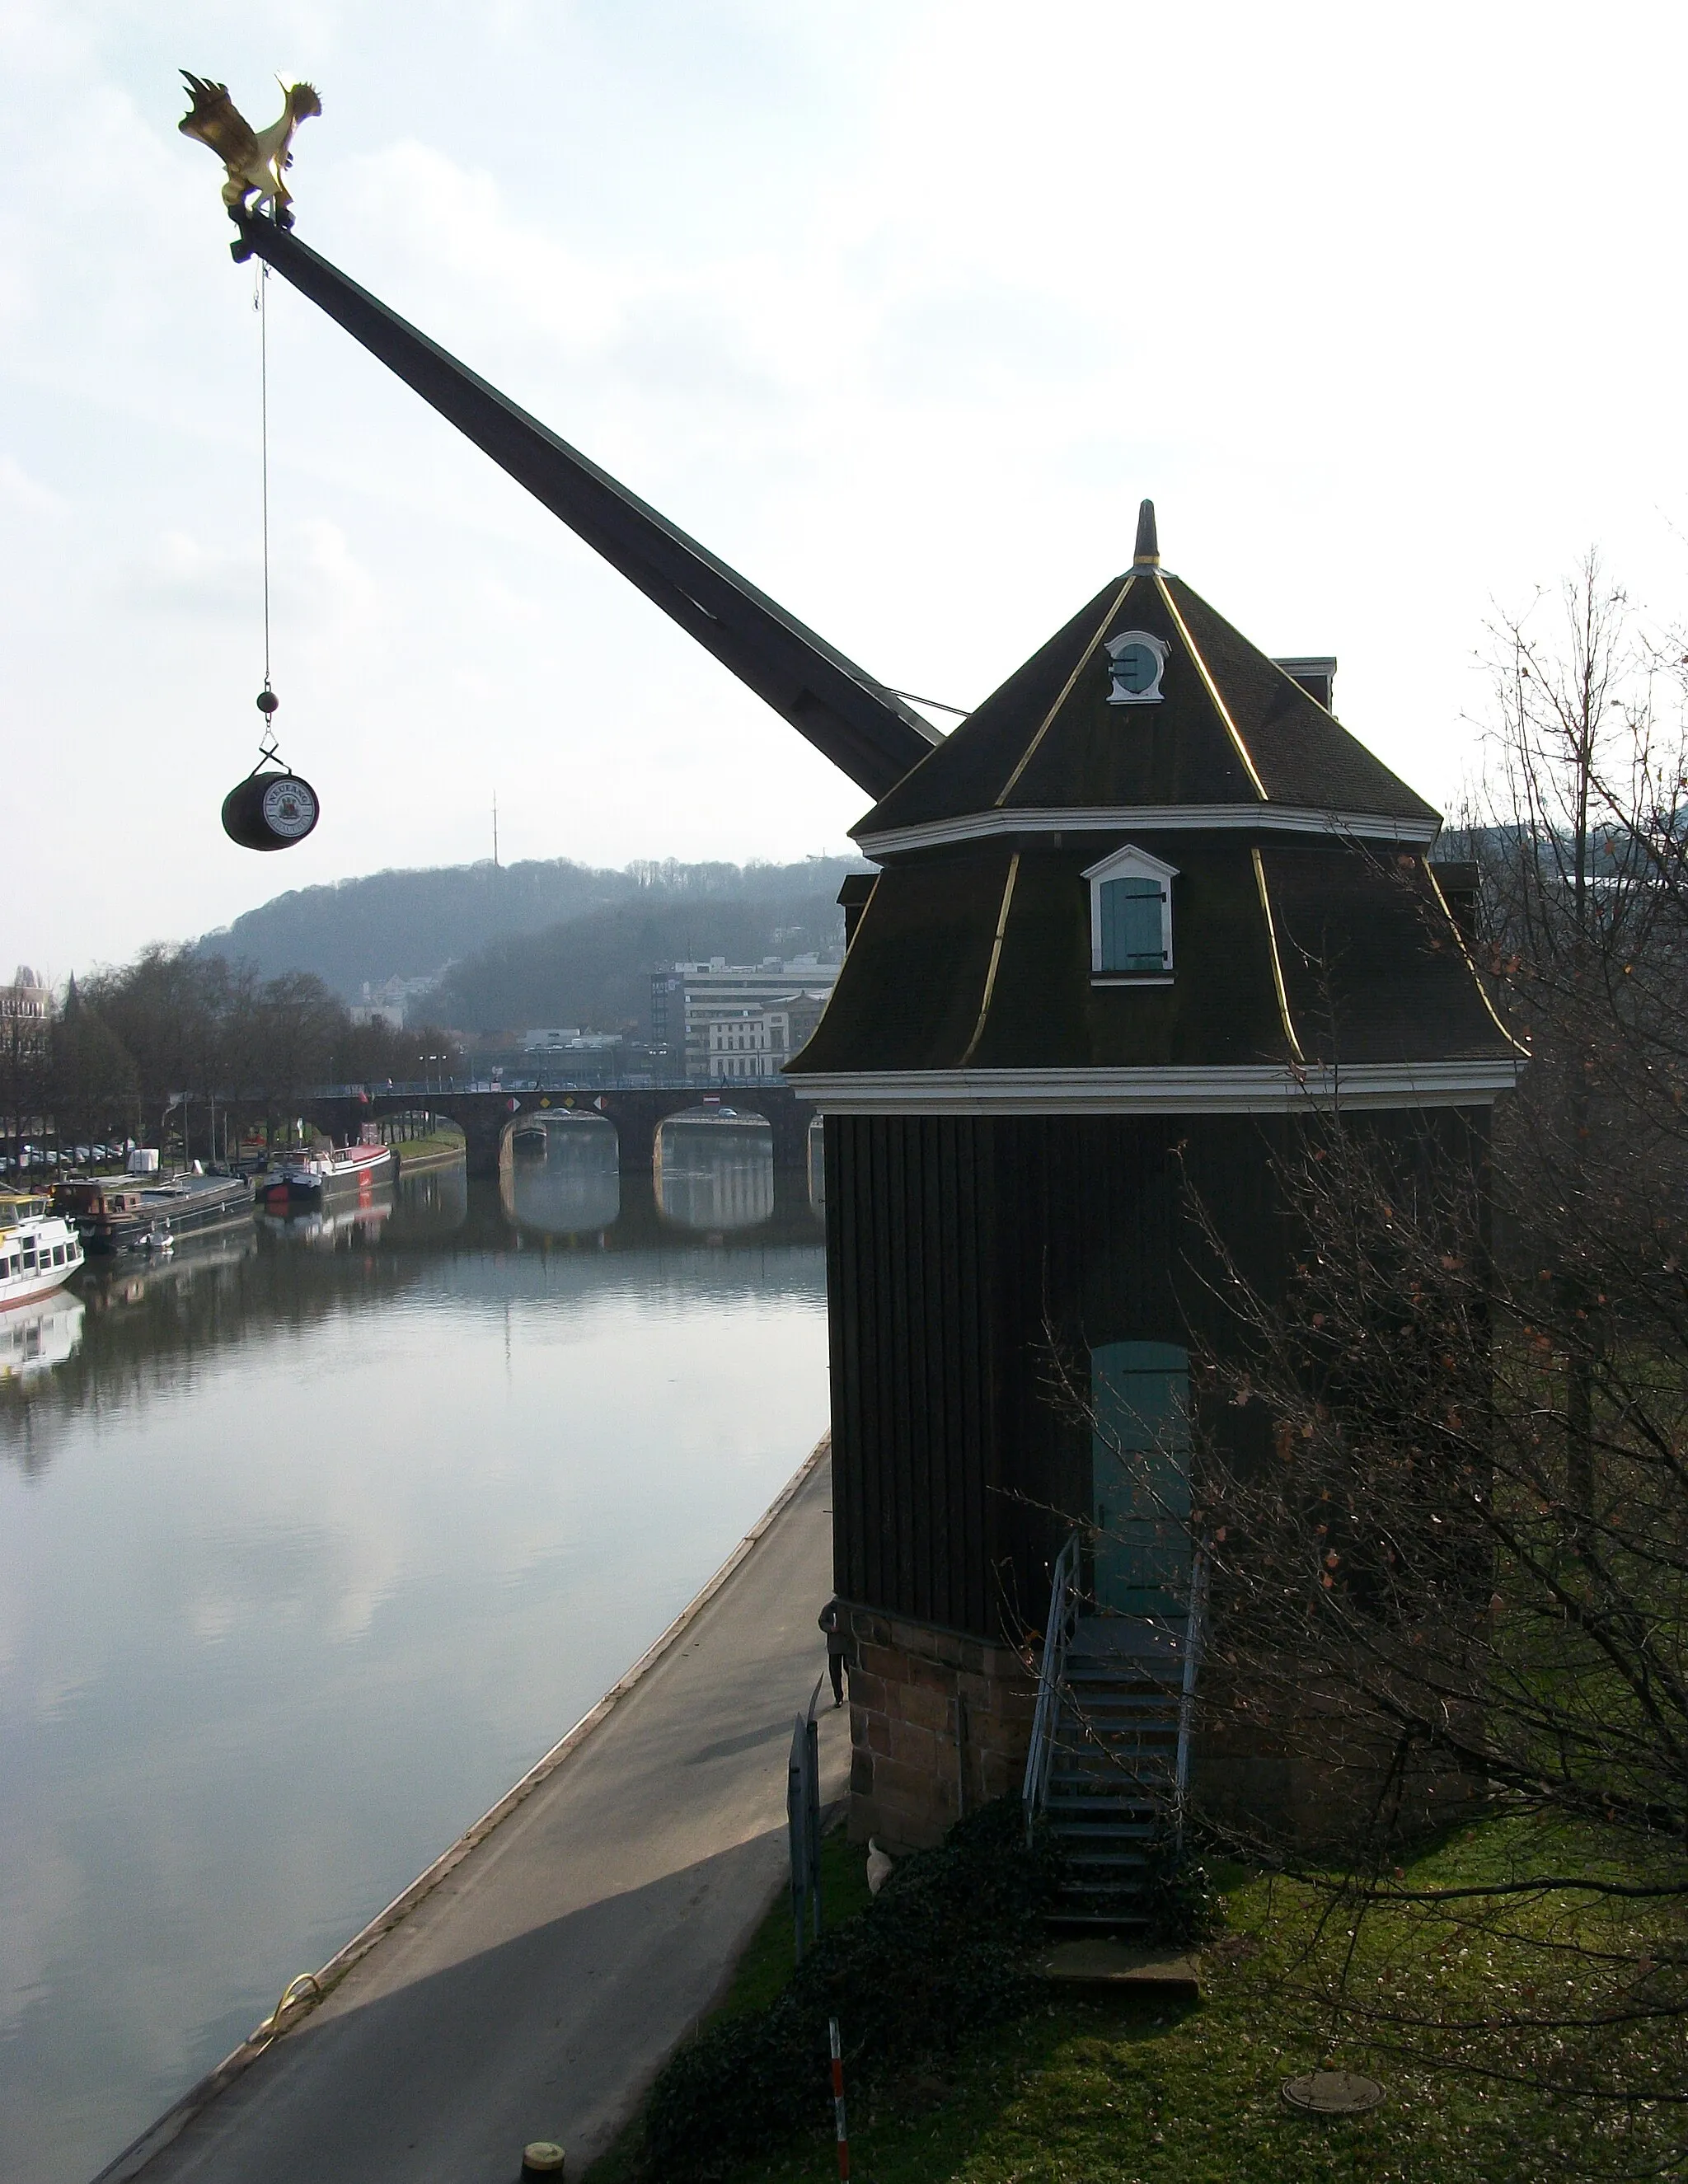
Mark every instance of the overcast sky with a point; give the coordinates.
(899, 307)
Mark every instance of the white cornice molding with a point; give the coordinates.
(1265, 1088)
(1145, 818)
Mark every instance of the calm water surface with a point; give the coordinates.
(314, 1537)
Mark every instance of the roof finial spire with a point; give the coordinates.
(1148, 554)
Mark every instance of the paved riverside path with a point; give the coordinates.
(536, 1988)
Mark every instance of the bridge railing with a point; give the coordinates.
(447, 1088)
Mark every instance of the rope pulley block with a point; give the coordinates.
(272, 808)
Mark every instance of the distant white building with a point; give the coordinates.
(754, 1043)
(569, 1039)
(390, 1002)
(735, 1021)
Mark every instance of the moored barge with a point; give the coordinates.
(328, 1169)
(124, 1213)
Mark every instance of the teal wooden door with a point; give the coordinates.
(1139, 1474)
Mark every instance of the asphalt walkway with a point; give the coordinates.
(530, 1985)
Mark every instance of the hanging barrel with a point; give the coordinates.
(270, 811)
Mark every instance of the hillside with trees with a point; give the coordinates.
(594, 968)
(556, 940)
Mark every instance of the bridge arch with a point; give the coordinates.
(636, 1110)
(573, 1189)
(712, 1167)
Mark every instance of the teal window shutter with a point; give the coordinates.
(1134, 936)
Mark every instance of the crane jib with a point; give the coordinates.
(860, 727)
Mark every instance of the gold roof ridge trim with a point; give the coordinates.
(1277, 961)
(1084, 661)
(826, 1004)
(995, 958)
(1213, 687)
(1476, 975)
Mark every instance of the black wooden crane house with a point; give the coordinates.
(1096, 960)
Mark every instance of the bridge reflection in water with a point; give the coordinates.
(711, 1175)
(563, 1178)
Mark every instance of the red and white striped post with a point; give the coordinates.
(839, 2099)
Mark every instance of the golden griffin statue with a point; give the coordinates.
(256, 158)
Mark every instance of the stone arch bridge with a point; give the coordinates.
(485, 1118)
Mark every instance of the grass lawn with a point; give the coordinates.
(1148, 2092)
(410, 1149)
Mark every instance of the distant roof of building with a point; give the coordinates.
(794, 968)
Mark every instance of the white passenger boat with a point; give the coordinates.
(38, 1249)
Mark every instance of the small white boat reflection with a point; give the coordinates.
(126, 1277)
(36, 1337)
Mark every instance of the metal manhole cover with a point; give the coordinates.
(1332, 2092)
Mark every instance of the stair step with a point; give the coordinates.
(1147, 1784)
(1103, 1689)
(1127, 1686)
(1121, 1706)
(1112, 1765)
(1107, 1848)
(1103, 1761)
(1099, 1808)
(1114, 1747)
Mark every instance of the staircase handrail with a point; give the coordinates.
(1056, 1636)
(1194, 1634)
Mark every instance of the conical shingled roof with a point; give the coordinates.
(1231, 730)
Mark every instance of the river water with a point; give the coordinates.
(314, 1537)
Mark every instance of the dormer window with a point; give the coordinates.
(1136, 663)
(1131, 919)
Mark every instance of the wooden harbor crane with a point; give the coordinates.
(1129, 919)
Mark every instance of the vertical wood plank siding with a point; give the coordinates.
(962, 1253)
(909, 1272)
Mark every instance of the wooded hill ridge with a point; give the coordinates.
(539, 943)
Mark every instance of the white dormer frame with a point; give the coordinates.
(1133, 640)
(1130, 863)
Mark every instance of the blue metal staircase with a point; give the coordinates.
(1109, 1762)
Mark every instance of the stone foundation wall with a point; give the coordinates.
(1282, 1759)
(938, 1722)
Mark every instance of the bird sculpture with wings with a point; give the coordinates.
(256, 158)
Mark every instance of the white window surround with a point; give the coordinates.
(1138, 659)
(1130, 863)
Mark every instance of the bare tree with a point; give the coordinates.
(1460, 1584)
